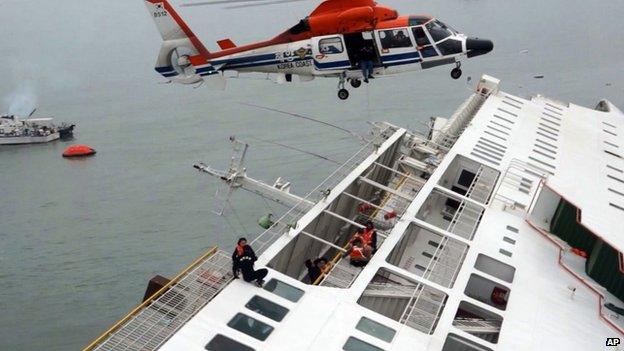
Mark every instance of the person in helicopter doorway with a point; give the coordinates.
(243, 260)
(366, 56)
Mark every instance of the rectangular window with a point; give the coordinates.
(395, 38)
(487, 291)
(421, 37)
(477, 321)
(505, 252)
(331, 46)
(223, 343)
(355, 344)
(465, 178)
(250, 326)
(457, 343)
(375, 329)
(495, 268)
(284, 290)
(267, 308)
(509, 240)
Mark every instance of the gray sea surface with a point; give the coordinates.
(79, 239)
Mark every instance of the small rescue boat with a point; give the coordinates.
(78, 150)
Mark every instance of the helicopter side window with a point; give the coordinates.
(421, 37)
(331, 46)
(438, 30)
(395, 38)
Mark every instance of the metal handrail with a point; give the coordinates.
(151, 299)
(343, 169)
(339, 255)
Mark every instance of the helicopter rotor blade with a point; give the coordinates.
(216, 2)
(274, 2)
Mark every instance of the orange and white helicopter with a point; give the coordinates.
(324, 44)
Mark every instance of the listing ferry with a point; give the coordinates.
(497, 230)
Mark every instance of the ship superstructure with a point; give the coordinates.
(497, 231)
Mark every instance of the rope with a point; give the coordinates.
(238, 218)
(266, 203)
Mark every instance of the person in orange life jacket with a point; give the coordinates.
(359, 234)
(370, 236)
(243, 260)
(359, 253)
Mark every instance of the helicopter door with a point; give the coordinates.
(330, 53)
(396, 47)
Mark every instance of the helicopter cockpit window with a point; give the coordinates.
(421, 37)
(331, 46)
(395, 38)
(438, 30)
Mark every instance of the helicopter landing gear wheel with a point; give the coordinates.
(456, 73)
(355, 83)
(343, 94)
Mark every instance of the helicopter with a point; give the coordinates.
(324, 44)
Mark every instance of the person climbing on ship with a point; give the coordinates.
(359, 253)
(243, 260)
(317, 268)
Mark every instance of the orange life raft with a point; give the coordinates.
(78, 151)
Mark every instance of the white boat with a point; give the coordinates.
(16, 130)
(499, 230)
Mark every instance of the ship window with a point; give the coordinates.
(284, 290)
(223, 343)
(509, 240)
(457, 343)
(495, 268)
(505, 252)
(395, 38)
(355, 344)
(487, 291)
(267, 308)
(478, 321)
(331, 46)
(250, 326)
(375, 329)
(465, 178)
(438, 30)
(421, 37)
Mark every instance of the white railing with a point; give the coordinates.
(152, 323)
(342, 275)
(423, 309)
(476, 325)
(290, 218)
(465, 220)
(443, 268)
(520, 177)
(482, 185)
(459, 120)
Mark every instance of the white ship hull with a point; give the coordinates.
(28, 139)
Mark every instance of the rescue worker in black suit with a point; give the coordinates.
(243, 260)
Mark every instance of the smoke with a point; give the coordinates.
(21, 101)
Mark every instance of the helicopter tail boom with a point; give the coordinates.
(182, 57)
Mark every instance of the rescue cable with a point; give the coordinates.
(350, 132)
(297, 149)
